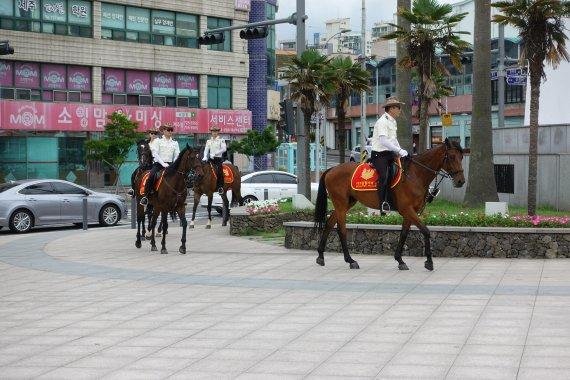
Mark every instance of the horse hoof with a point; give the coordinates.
(163, 251)
(182, 250)
(354, 265)
(403, 266)
(429, 265)
(191, 226)
(138, 244)
(208, 226)
(321, 261)
(153, 248)
(224, 224)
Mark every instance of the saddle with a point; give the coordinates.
(226, 170)
(365, 177)
(144, 179)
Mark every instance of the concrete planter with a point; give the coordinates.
(445, 241)
(241, 223)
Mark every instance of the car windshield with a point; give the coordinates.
(8, 185)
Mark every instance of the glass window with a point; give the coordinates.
(38, 189)
(79, 12)
(186, 25)
(65, 188)
(213, 23)
(112, 16)
(54, 10)
(28, 9)
(163, 22)
(138, 19)
(7, 8)
(284, 178)
(261, 178)
(219, 92)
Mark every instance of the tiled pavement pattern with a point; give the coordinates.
(87, 304)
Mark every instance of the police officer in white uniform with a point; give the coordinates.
(213, 152)
(385, 147)
(165, 151)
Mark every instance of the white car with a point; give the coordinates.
(262, 185)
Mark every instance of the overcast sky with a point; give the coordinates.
(320, 11)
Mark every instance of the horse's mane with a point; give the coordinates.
(456, 145)
(174, 166)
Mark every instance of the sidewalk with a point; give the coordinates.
(87, 304)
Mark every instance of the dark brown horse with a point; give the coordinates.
(409, 197)
(206, 184)
(171, 195)
(145, 163)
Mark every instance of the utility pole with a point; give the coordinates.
(363, 96)
(303, 159)
(501, 78)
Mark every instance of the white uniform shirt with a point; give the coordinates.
(215, 147)
(385, 135)
(165, 150)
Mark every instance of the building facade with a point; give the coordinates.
(76, 61)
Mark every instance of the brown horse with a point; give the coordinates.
(171, 195)
(206, 184)
(409, 197)
(145, 163)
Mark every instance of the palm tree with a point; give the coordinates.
(481, 186)
(431, 30)
(344, 77)
(541, 28)
(403, 82)
(306, 80)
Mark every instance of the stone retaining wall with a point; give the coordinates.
(242, 223)
(445, 241)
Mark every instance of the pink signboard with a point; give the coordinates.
(27, 75)
(6, 73)
(53, 76)
(138, 82)
(186, 85)
(38, 116)
(163, 84)
(114, 80)
(79, 78)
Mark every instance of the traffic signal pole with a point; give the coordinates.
(290, 20)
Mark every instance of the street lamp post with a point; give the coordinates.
(334, 35)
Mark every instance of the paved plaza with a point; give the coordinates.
(87, 304)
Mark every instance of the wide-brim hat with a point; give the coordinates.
(166, 126)
(152, 129)
(214, 128)
(393, 101)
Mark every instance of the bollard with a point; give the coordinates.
(133, 213)
(85, 213)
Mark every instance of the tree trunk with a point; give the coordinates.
(424, 105)
(307, 122)
(341, 115)
(533, 136)
(481, 186)
(403, 82)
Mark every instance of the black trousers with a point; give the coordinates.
(217, 161)
(382, 161)
(149, 186)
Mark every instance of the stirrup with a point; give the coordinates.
(220, 190)
(385, 207)
(131, 192)
(143, 201)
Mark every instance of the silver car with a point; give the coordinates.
(29, 203)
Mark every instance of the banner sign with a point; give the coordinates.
(40, 116)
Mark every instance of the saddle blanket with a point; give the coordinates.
(144, 179)
(365, 177)
(228, 174)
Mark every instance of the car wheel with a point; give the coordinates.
(248, 199)
(21, 221)
(109, 215)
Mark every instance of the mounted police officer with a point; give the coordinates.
(213, 152)
(385, 147)
(152, 136)
(165, 151)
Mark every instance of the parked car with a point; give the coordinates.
(355, 153)
(261, 185)
(26, 204)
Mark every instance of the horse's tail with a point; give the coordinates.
(236, 189)
(321, 205)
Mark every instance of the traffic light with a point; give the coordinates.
(5, 48)
(212, 38)
(287, 116)
(254, 32)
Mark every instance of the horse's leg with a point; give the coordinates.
(159, 229)
(209, 223)
(184, 224)
(225, 210)
(329, 225)
(425, 232)
(341, 228)
(164, 223)
(398, 254)
(152, 224)
(197, 196)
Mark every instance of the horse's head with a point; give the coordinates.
(190, 161)
(452, 162)
(144, 153)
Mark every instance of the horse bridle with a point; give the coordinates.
(440, 172)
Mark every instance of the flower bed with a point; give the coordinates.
(445, 240)
(263, 216)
